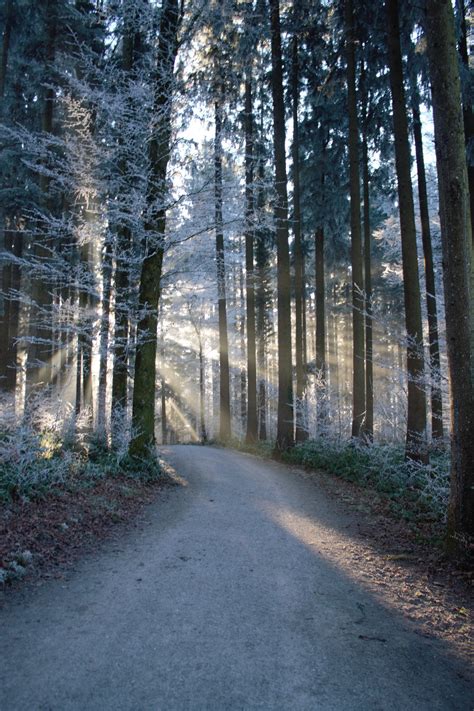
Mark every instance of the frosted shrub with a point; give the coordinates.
(417, 490)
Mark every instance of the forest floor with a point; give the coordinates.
(252, 585)
(41, 536)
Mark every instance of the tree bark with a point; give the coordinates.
(468, 108)
(456, 237)
(301, 430)
(143, 412)
(7, 358)
(285, 437)
(358, 352)
(437, 430)
(104, 340)
(416, 418)
(321, 365)
(224, 372)
(252, 430)
(261, 258)
(40, 350)
(369, 350)
(124, 242)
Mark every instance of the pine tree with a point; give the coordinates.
(285, 437)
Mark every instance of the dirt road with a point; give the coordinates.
(228, 596)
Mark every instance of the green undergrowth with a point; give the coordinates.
(33, 464)
(416, 492)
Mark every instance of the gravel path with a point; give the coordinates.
(232, 594)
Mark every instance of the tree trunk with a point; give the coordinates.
(164, 418)
(358, 351)
(320, 360)
(416, 418)
(224, 374)
(369, 351)
(301, 430)
(143, 413)
(40, 350)
(104, 340)
(458, 265)
(202, 395)
(284, 438)
(261, 258)
(435, 361)
(252, 431)
(468, 113)
(6, 268)
(6, 38)
(124, 242)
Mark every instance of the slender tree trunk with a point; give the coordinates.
(468, 113)
(369, 351)
(124, 243)
(240, 313)
(40, 350)
(6, 268)
(143, 414)
(284, 438)
(224, 373)
(121, 332)
(321, 366)
(202, 396)
(458, 264)
(301, 431)
(437, 429)
(164, 418)
(6, 38)
(416, 419)
(252, 430)
(104, 340)
(358, 352)
(261, 302)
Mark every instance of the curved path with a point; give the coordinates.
(225, 597)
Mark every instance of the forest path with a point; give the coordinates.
(231, 595)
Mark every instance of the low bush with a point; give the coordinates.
(38, 455)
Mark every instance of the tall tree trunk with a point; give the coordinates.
(320, 360)
(284, 438)
(124, 242)
(468, 113)
(369, 350)
(6, 38)
(261, 258)
(164, 418)
(6, 268)
(416, 418)
(301, 431)
(224, 373)
(40, 350)
(252, 430)
(104, 339)
(240, 318)
(202, 396)
(437, 429)
(358, 351)
(143, 413)
(458, 265)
